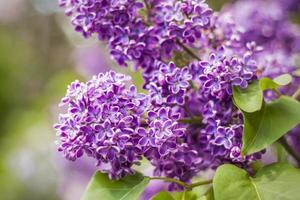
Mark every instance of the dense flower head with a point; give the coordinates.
(168, 84)
(100, 121)
(190, 58)
(105, 119)
(142, 32)
(219, 138)
(220, 73)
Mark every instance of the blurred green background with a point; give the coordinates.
(40, 55)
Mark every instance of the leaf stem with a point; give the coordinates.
(200, 183)
(183, 184)
(289, 149)
(172, 180)
(187, 50)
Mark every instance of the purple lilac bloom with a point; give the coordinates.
(106, 121)
(220, 73)
(168, 84)
(100, 122)
(142, 38)
(117, 126)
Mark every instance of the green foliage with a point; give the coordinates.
(185, 195)
(208, 196)
(277, 181)
(249, 99)
(128, 188)
(267, 125)
(266, 83)
(264, 123)
(283, 79)
(273, 182)
(163, 195)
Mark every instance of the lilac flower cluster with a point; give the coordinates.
(219, 74)
(140, 32)
(168, 84)
(98, 123)
(106, 121)
(190, 59)
(221, 132)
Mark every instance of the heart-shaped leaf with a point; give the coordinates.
(208, 196)
(267, 83)
(185, 195)
(283, 79)
(163, 195)
(267, 125)
(128, 188)
(273, 182)
(249, 99)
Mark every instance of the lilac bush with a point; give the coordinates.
(194, 61)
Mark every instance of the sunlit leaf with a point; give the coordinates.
(163, 195)
(282, 80)
(249, 99)
(267, 125)
(208, 196)
(128, 188)
(273, 182)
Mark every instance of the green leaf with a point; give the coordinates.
(266, 83)
(128, 188)
(163, 195)
(209, 195)
(186, 195)
(249, 99)
(273, 182)
(267, 125)
(282, 80)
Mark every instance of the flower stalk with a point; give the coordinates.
(188, 51)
